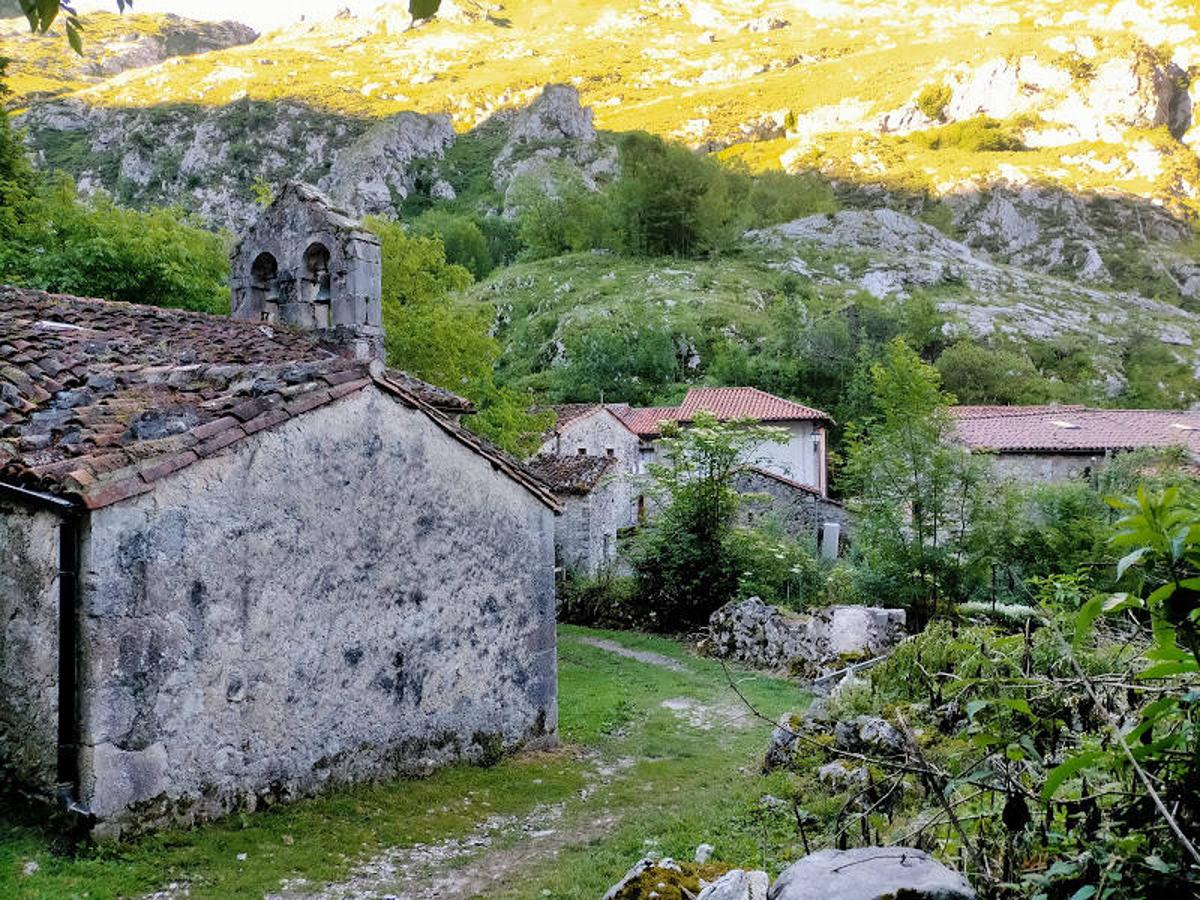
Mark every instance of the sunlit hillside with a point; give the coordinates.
(1096, 92)
(45, 66)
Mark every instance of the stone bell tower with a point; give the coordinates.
(307, 265)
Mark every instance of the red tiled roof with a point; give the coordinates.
(571, 474)
(1073, 429)
(644, 421)
(745, 403)
(724, 403)
(99, 400)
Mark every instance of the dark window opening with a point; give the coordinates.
(264, 287)
(317, 289)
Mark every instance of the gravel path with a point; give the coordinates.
(644, 656)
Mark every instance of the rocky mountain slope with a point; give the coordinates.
(1092, 95)
(1030, 167)
(45, 66)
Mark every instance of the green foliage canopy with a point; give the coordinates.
(446, 343)
(687, 560)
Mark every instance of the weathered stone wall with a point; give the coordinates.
(585, 535)
(301, 220)
(28, 649)
(351, 595)
(799, 513)
(1039, 468)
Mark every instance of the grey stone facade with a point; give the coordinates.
(597, 433)
(587, 532)
(310, 266)
(29, 542)
(797, 509)
(1038, 468)
(351, 595)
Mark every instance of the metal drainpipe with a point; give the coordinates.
(67, 761)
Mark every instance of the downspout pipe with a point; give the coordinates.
(70, 516)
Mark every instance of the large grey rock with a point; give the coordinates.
(762, 635)
(870, 873)
(551, 142)
(368, 176)
(868, 734)
(738, 884)
(556, 115)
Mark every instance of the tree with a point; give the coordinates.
(977, 374)
(628, 357)
(670, 201)
(920, 497)
(686, 560)
(447, 343)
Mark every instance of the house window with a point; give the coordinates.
(610, 452)
(264, 287)
(583, 451)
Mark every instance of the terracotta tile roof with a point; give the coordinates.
(1073, 429)
(745, 403)
(99, 400)
(644, 421)
(571, 474)
(724, 403)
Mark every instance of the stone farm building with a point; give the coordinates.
(1060, 443)
(595, 452)
(241, 563)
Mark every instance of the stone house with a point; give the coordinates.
(238, 563)
(1061, 443)
(791, 476)
(595, 502)
(800, 510)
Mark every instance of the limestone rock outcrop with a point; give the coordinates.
(758, 634)
(368, 176)
(551, 141)
(738, 885)
(870, 873)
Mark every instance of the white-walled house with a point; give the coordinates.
(802, 459)
(610, 499)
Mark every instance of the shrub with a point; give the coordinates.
(464, 242)
(629, 357)
(563, 217)
(51, 240)
(603, 601)
(978, 374)
(779, 197)
(978, 135)
(933, 99)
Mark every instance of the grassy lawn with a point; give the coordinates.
(632, 776)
